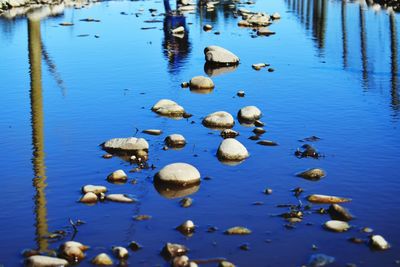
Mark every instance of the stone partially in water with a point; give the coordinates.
(73, 251)
(265, 31)
(336, 226)
(142, 217)
(171, 250)
(276, 15)
(89, 198)
(219, 119)
(232, 150)
(259, 130)
(267, 143)
(207, 27)
(229, 133)
(175, 141)
(186, 202)
(307, 151)
(186, 227)
(117, 176)
(218, 55)
(319, 260)
(152, 131)
(324, 199)
(181, 261)
(102, 259)
(120, 198)
(378, 242)
(169, 108)
(178, 174)
(340, 213)
(226, 264)
(126, 144)
(312, 174)
(201, 82)
(120, 252)
(249, 114)
(178, 30)
(238, 230)
(45, 261)
(97, 189)
(134, 246)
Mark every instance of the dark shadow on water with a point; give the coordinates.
(363, 38)
(37, 122)
(395, 104)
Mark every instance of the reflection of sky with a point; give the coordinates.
(112, 82)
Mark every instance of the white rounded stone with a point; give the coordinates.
(179, 173)
(219, 119)
(249, 113)
(168, 107)
(126, 144)
(45, 261)
(337, 226)
(120, 252)
(218, 55)
(201, 82)
(97, 189)
(378, 242)
(232, 150)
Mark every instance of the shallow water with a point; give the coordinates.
(336, 77)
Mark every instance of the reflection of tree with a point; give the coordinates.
(363, 38)
(344, 33)
(394, 62)
(39, 168)
(176, 46)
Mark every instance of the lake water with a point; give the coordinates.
(336, 77)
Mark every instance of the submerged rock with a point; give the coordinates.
(171, 250)
(319, 260)
(312, 174)
(219, 119)
(201, 82)
(265, 31)
(307, 151)
(117, 176)
(378, 242)
(45, 261)
(249, 114)
(178, 174)
(336, 226)
(126, 144)
(97, 189)
(340, 213)
(259, 130)
(120, 198)
(134, 246)
(232, 150)
(152, 131)
(169, 108)
(324, 199)
(120, 253)
(259, 66)
(238, 230)
(175, 141)
(102, 259)
(89, 198)
(218, 55)
(142, 217)
(229, 133)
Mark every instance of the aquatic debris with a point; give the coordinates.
(97, 189)
(307, 151)
(319, 260)
(218, 55)
(102, 259)
(169, 108)
(186, 227)
(89, 198)
(129, 144)
(378, 242)
(340, 213)
(182, 174)
(325, 199)
(232, 150)
(200, 83)
(73, 251)
(219, 119)
(142, 217)
(45, 261)
(134, 246)
(152, 131)
(120, 253)
(313, 174)
(267, 143)
(175, 141)
(229, 133)
(238, 230)
(117, 176)
(90, 20)
(336, 226)
(172, 250)
(249, 114)
(186, 202)
(122, 198)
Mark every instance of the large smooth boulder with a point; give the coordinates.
(219, 119)
(218, 55)
(178, 174)
(231, 149)
(169, 108)
(45, 261)
(249, 113)
(126, 144)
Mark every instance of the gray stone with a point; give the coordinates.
(218, 55)
(126, 144)
(219, 119)
(201, 82)
(178, 174)
(232, 150)
(249, 113)
(175, 140)
(45, 261)
(168, 108)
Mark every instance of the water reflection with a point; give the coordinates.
(344, 33)
(394, 62)
(363, 38)
(39, 167)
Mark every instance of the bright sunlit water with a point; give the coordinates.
(336, 77)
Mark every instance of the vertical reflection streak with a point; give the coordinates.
(363, 37)
(39, 180)
(394, 61)
(344, 33)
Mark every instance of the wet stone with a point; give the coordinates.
(356, 240)
(340, 213)
(378, 242)
(122, 198)
(73, 251)
(120, 252)
(142, 217)
(268, 191)
(336, 226)
(178, 174)
(201, 82)
(219, 119)
(180, 261)
(259, 123)
(259, 130)
(171, 250)
(367, 230)
(186, 202)
(152, 131)
(307, 151)
(117, 176)
(126, 144)
(232, 150)
(226, 264)
(240, 93)
(245, 247)
(134, 246)
(313, 174)
(169, 108)
(97, 189)
(45, 261)
(175, 141)
(218, 55)
(238, 230)
(229, 133)
(207, 27)
(186, 227)
(267, 143)
(249, 114)
(89, 198)
(102, 259)
(325, 199)
(107, 156)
